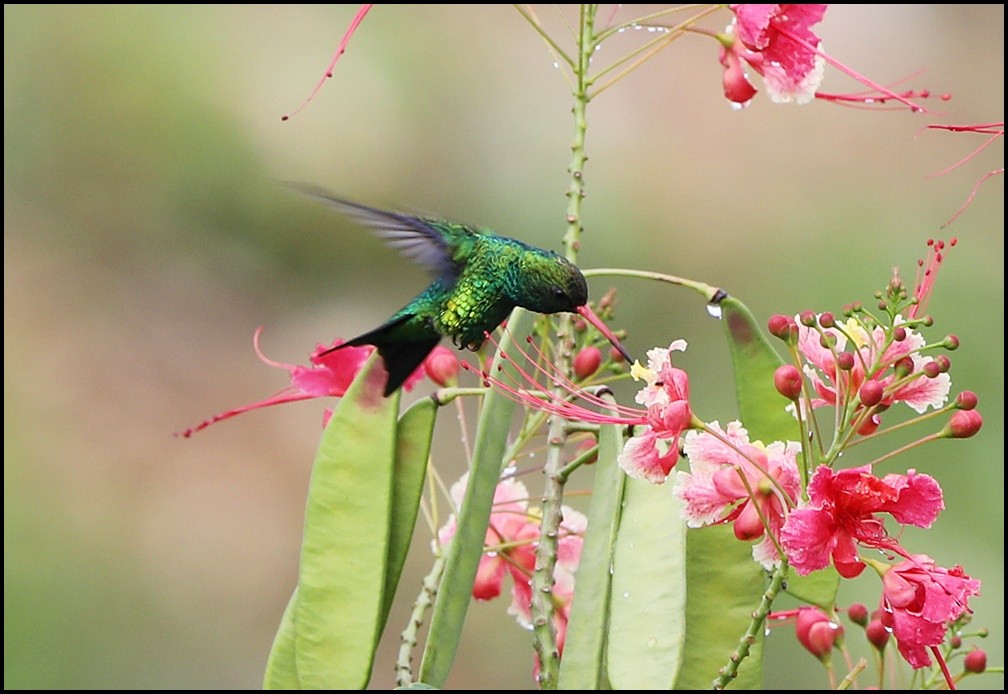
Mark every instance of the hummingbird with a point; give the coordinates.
(478, 278)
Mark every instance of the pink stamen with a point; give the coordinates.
(358, 18)
(528, 391)
(927, 273)
(885, 91)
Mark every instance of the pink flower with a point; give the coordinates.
(791, 69)
(510, 546)
(329, 375)
(652, 454)
(777, 42)
(842, 513)
(920, 599)
(724, 468)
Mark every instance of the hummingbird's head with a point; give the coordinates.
(550, 283)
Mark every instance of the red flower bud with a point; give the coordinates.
(587, 362)
(807, 318)
(816, 632)
(931, 369)
(845, 361)
(964, 423)
(943, 362)
(788, 381)
(442, 366)
(903, 367)
(858, 613)
(827, 320)
(615, 355)
(780, 326)
(966, 400)
(870, 425)
(871, 393)
(899, 334)
(975, 660)
(877, 634)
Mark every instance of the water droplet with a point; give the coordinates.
(652, 642)
(736, 106)
(714, 310)
(626, 594)
(556, 65)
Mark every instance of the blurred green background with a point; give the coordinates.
(146, 236)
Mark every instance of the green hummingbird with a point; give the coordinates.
(479, 277)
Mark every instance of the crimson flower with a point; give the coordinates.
(329, 374)
(842, 513)
(734, 480)
(919, 599)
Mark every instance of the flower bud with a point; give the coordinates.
(943, 362)
(858, 613)
(963, 424)
(615, 355)
(877, 634)
(966, 400)
(807, 318)
(955, 641)
(827, 320)
(870, 425)
(931, 369)
(442, 366)
(899, 333)
(816, 632)
(975, 660)
(827, 340)
(587, 362)
(780, 326)
(788, 381)
(845, 361)
(951, 342)
(871, 393)
(903, 367)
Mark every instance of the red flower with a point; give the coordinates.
(841, 513)
(919, 600)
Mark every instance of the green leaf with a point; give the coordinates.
(583, 662)
(761, 408)
(724, 586)
(647, 620)
(413, 442)
(466, 548)
(818, 588)
(341, 584)
(281, 666)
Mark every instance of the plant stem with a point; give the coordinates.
(542, 608)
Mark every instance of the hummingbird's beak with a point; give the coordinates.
(590, 316)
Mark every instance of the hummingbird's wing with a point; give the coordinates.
(429, 243)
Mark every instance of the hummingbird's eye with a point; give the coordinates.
(559, 293)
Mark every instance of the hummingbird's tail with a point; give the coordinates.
(401, 357)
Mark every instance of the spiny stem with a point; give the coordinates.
(542, 608)
(409, 639)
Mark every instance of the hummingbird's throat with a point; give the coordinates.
(597, 323)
